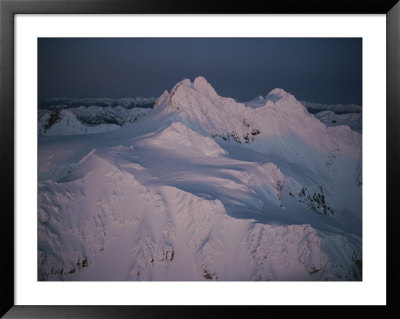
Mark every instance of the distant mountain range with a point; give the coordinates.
(110, 114)
(128, 102)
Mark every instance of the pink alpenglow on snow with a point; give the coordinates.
(201, 187)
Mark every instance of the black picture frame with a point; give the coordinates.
(8, 8)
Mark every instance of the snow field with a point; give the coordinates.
(203, 188)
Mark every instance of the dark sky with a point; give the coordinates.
(325, 70)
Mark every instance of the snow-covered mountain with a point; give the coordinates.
(337, 114)
(329, 114)
(314, 108)
(203, 188)
(86, 120)
(329, 118)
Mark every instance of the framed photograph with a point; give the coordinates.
(170, 158)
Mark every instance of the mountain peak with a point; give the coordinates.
(186, 94)
(279, 98)
(198, 103)
(277, 94)
(201, 84)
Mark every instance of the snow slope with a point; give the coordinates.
(203, 188)
(329, 114)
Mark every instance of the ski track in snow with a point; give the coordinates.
(191, 193)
